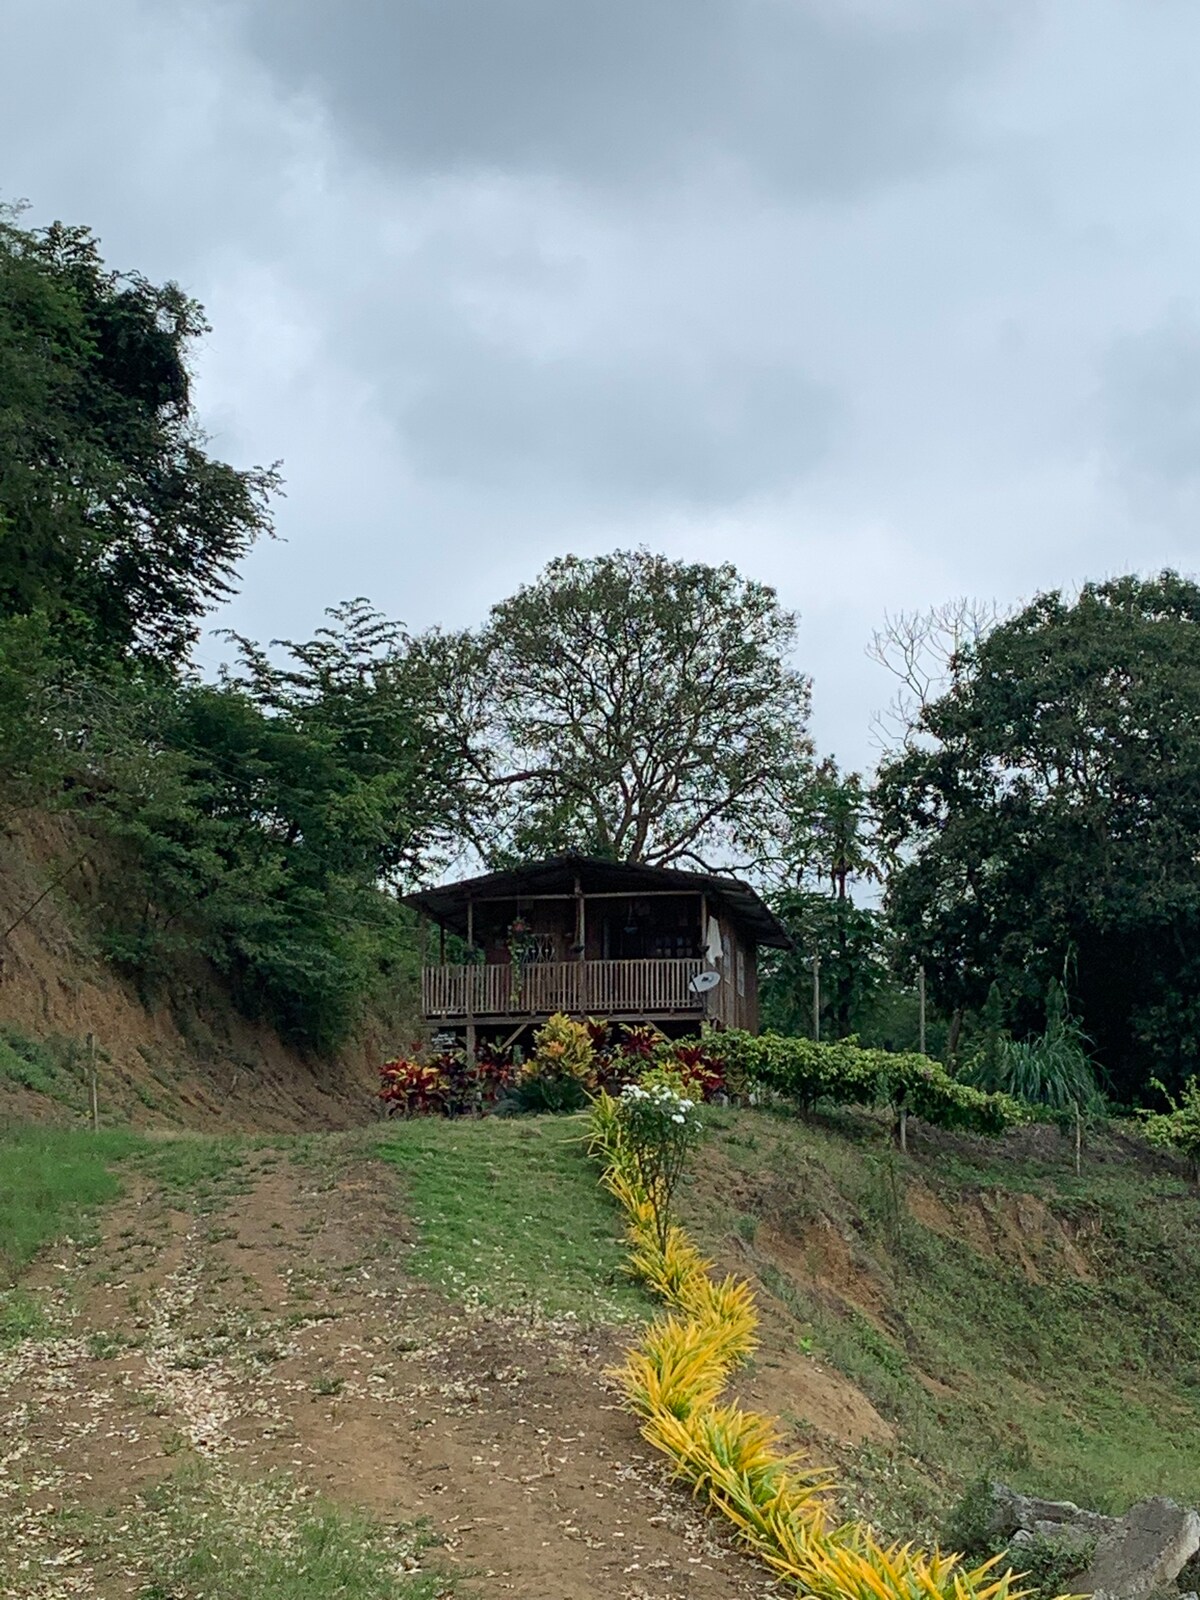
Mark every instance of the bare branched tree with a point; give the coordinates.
(921, 650)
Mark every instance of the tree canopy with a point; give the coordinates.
(1051, 819)
(632, 706)
(115, 522)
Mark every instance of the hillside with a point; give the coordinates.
(177, 1055)
(413, 1323)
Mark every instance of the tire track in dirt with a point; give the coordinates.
(280, 1331)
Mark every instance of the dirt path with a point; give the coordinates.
(278, 1332)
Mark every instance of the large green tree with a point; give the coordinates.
(115, 522)
(1048, 811)
(626, 704)
(269, 818)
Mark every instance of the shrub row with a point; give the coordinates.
(846, 1074)
(572, 1060)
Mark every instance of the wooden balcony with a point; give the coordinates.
(624, 989)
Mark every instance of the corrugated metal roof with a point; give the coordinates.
(447, 904)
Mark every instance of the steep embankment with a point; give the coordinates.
(181, 1057)
(973, 1308)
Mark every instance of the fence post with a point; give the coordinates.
(91, 1049)
(921, 1007)
(816, 972)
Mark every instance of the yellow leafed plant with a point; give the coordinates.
(674, 1381)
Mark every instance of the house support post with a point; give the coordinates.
(705, 1003)
(471, 981)
(581, 945)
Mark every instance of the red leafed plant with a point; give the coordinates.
(448, 1085)
(411, 1088)
(703, 1075)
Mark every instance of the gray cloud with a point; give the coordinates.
(1150, 407)
(885, 300)
(810, 96)
(714, 430)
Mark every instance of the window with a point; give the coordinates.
(741, 972)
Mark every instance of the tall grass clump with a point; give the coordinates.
(1054, 1070)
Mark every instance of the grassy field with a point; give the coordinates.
(1003, 1314)
(205, 1537)
(53, 1178)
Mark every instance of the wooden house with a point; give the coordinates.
(589, 937)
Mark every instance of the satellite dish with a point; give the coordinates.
(704, 981)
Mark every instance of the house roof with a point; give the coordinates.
(447, 904)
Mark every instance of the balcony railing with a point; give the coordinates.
(582, 988)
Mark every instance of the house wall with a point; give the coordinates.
(735, 1003)
(664, 927)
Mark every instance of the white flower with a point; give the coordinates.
(678, 1117)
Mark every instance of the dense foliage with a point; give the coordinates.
(255, 824)
(845, 1074)
(115, 523)
(572, 1061)
(1049, 813)
(631, 706)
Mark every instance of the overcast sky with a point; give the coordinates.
(886, 301)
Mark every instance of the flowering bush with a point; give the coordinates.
(658, 1127)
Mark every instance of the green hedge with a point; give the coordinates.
(847, 1075)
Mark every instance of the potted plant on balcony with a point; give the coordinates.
(520, 948)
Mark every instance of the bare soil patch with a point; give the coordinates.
(278, 1331)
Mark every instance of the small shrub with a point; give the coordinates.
(1179, 1128)
(968, 1526)
(560, 1074)
(449, 1084)
(658, 1128)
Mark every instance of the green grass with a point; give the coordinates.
(207, 1543)
(52, 1179)
(54, 1067)
(199, 1169)
(201, 1534)
(22, 1316)
(511, 1214)
(1082, 1390)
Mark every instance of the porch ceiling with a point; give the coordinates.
(447, 904)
